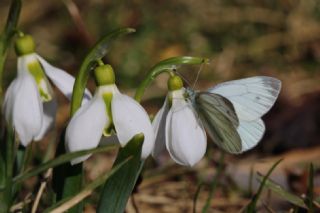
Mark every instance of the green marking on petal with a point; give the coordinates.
(42, 82)
(109, 129)
(170, 100)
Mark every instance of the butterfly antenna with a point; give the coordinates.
(198, 74)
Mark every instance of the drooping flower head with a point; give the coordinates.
(30, 104)
(109, 112)
(177, 127)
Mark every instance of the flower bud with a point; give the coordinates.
(24, 45)
(175, 83)
(104, 75)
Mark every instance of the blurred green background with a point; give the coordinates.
(241, 37)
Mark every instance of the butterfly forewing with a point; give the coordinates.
(251, 97)
(220, 120)
(222, 104)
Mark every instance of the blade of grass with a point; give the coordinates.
(196, 196)
(277, 189)
(118, 188)
(251, 207)
(69, 202)
(310, 196)
(6, 196)
(214, 184)
(58, 161)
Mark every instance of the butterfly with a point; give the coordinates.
(231, 111)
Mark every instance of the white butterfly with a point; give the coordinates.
(231, 112)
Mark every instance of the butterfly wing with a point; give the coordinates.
(250, 133)
(219, 118)
(251, 97)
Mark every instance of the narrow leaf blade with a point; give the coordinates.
(281, 192)
(86, 191)
(251, 207)
(58, 161)
(118, 188)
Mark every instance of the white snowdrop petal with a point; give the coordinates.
(159, 124)
(129, 119)
(63, 80)
(14, 86)
(185, 137)
(49, 117)
(23, 62)
(27, 109)
(9, 100)
(85, 128)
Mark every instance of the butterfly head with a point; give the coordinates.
(190, 94)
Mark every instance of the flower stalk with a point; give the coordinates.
(7, 35)
(165, 66)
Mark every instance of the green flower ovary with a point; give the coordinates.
(38, 74)
(109, 128)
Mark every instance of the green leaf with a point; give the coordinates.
(69, 201)
(214, 184)
(2, 172)
(196, 196)
(164, 66)
(251, 207)
(7, 34)
(66, 158)
(6, 194)
(281, 192)
(99, 50)
(310, 195)
(118, 188)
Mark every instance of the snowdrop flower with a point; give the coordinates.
(177, 127)
(109, 112)
(29, 104)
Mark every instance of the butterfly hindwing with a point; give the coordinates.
(219, 118)
(250, 133)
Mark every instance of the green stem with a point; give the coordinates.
(27, 154)
(6, 36)
(214, 184)
(6, 193)
(26, 157)
(99, 50)
(165, 66)
(251, 207)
